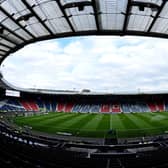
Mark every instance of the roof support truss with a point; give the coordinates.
(4, 45)
(16, 22)
(7, 39)
(77, 4)
(94, 2)
(3, 51)
(127, 15)
(157, 15)
(65, 15)
(12, 32)
(35, 14)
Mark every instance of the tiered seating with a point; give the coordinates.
(85, 108)
(166, 106)
(126, 108)
(40, 104)
(137, 107)
(55, 106)
(152, 107)
(60, 107)
(134, 108)
(25, 105)
(160, 106)
(14, 102)
(47, 105)
(8, 108)
(143, 107)
(68, 107)
(77, 108)
(115, 108)
(105, 108)
(95, 108)
(10, 105)
(33, 106)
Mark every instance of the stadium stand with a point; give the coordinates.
(105, 108)
(160, 106)
(33, 106)
(28, 21)
(68, 107)
(116, 108)
(95, 108)
(25, 149)
(19, 149)
(25, 104)
(56, 106)
(60, 107)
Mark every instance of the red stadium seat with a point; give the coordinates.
(105, 108)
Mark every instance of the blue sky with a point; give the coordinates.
(100, 63)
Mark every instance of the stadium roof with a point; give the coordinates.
(26, 21)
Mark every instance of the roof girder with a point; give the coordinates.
(36, 15)
(16, 22)
(96, 13)
(126, 20)
(65, 15)
(157, 15)
(12, 32)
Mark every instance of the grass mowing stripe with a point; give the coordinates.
(92, 124)
(104, 123)
(75, 119)
(75, 125)
(98, 125)
(141, 123)
(128, 123)
(89, 129)
(130, 127)
(56, 120)
(39, 121)
(111, 121)
(149, 119)
(117, 121)
(160, 117)
(64, 123)
(159, 125)
(82, 122)
(39, 117)
(163, 113)
(104, 126)
(51, 126)
(144, 127)
(49, 120)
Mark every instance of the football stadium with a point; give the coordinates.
(70, 128)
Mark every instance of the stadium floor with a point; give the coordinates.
(99, 125)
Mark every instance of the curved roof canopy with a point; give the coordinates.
(26, 21)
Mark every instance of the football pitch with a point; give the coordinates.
(98, 125)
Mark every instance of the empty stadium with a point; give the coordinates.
(70, 128)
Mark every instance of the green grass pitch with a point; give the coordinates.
(99, 125)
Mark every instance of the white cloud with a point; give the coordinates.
(99, 63)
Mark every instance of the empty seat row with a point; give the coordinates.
(54, 106)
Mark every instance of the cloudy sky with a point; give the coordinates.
(108, 64)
